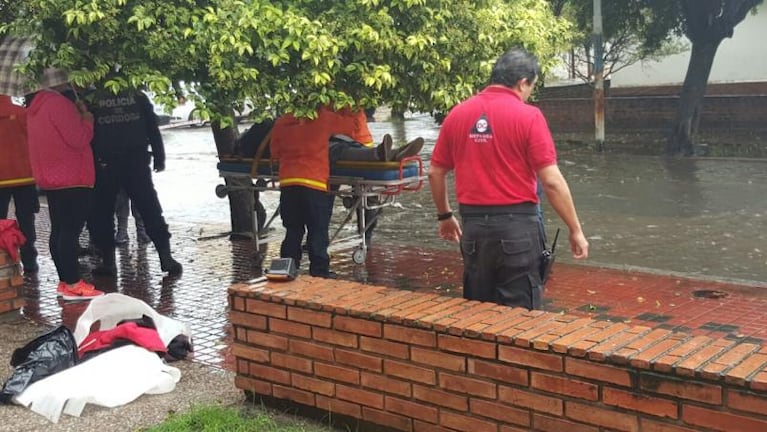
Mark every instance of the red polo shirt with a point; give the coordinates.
(496, 144)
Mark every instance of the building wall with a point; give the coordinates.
(740, 58)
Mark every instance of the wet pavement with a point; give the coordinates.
(675, 244)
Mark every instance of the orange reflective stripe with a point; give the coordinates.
(17, 182)
(298, 181)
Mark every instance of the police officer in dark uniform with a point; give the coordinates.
(125, 125)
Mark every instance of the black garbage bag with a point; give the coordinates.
(47, 354)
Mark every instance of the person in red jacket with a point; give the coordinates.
(59, 136)
(16, 179)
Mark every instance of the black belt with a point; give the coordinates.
(526, 208)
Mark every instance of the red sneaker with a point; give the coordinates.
(61, 289)
(79, 291)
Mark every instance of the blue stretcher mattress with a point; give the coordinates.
(367, 170)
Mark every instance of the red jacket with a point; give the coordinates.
(59, 143)
(14, 164)
(301, 145)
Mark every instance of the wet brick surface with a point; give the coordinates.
(212, 262)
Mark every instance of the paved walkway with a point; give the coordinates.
(212, 263)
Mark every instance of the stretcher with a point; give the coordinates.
(360, 185)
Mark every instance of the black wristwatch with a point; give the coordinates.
(444, 216)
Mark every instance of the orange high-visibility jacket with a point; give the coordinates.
(14, 164)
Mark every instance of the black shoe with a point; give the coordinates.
(105, 270)
(384, 149)
(328, 275)
(411, 149)
(168, 264)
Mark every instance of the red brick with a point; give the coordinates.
(745, 401)
(640, 402)
(441, 398)
(236, 303)
(414, 310)
(496, 411)
(721, 420)
(307, 316)
(253, 385)
(335, 406)
(685, 389)
(384, 347)
(337, 373)
(610, 419)
(529, 358)
(716, 367)
(290, 328)
(390, 420)
(247, 320)
(472, 347)
(267, 340)
(499, 372)
(335, 337)
(525, 399)
(543, 342)
(419, 426)
(362, 397)
(564, 386)
(295, 395)
(599, 372)
(689, 365)
(465, 423)
(515, 316)
(286, 361)
(641, 342)
(534, 319)
(526, 338)
(269, 373)
(562, 344)
(358, 326)
(438, 359)
(490, 318)
(265, 308)
(411, 409)
(250, 353)
(410, 372)
(359, 360)
(469, 317)
(312, 385)
(644, 359)
(740, 374)
(311, 350)
(396, 313)
(470, 386)
(759, 381)
(603, 342)
(551, 424)
(386, 384)
(410, 335)
(242, 367)
(666, 362)
(647, 425)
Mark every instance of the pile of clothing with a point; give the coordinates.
(125, 357)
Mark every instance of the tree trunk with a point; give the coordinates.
(685, 124)
(240, 189)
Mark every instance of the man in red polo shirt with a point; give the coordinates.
(499, 147)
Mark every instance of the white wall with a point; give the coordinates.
(740, 58)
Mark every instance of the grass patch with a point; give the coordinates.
(216, 418)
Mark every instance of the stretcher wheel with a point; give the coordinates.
(348, 202)
(359, 256)
(221, 191)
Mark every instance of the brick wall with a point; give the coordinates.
(11, 283)
(428, 363)
(655, 113)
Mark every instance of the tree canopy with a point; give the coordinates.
(289, 55)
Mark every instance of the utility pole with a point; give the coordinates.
(599, 82)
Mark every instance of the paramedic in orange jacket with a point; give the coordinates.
(301, 146)
(16, 179)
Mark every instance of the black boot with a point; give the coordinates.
(168, 264)
(107, 266)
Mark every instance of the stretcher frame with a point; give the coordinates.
(357, 194)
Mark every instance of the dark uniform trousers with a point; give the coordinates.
(26, 204)
(306, 210)
(131, 172)
(501, 256)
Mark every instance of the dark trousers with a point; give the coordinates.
(305, 210)
(26, 203)
(130, 172)
(68, 210)
(501, 259)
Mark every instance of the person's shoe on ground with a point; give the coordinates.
(168, 264)
(78, 291)
(410, 149)
(141, 236)
(328, 275)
